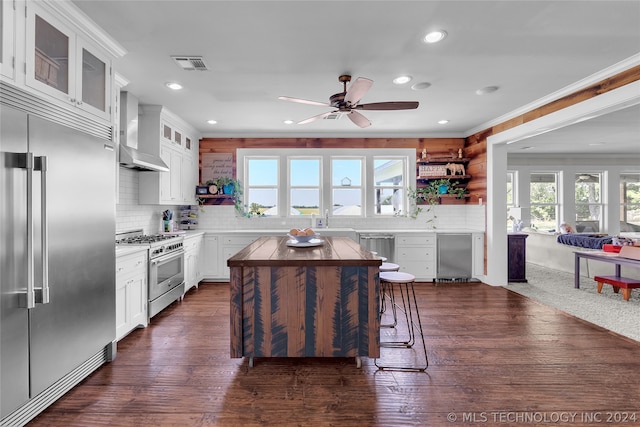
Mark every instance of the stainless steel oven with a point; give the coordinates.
(165, 273)
(165, 277)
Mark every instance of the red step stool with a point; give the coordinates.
(618, 282)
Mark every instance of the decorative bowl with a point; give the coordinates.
(303, 239)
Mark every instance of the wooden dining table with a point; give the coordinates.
(312, 301)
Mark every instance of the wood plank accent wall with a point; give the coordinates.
(476, 144)
(434, 146)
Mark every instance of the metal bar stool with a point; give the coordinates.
(405, 284)
(386, 291)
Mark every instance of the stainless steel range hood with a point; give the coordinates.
(134, 159)
(130, 156)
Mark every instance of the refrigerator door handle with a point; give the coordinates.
(25, 161)
(42, 295)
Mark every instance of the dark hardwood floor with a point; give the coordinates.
(495, 358)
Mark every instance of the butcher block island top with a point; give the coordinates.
(319, 301)
(274, 251)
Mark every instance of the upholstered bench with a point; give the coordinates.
(618, 282)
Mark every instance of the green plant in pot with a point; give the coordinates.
(430, 195)
(226, 185)
(459, 192)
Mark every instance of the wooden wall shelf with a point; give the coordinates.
(454, 177)
(216, 196)
(443, 160)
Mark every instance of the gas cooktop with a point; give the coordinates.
(144, 239)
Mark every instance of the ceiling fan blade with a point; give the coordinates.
(303, 101)
(357, 90)
(359, 119)
(314, 118)
(393, 105)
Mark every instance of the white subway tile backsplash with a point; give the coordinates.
(130, 215)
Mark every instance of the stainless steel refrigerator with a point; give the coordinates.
(57, 260)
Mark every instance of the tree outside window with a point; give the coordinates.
(630, 202)
(588, 202)
(543, 198)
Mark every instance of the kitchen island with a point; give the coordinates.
(319, 301)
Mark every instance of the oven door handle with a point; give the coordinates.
(166, 258)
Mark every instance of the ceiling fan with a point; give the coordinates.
(347, 101)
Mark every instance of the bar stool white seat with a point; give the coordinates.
(404, 282)
(389, 266)
(386, 292)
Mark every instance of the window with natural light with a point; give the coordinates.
(345, 182)
(389, 184)
(261, 187)
(543, 198)
(346, 186)
(588, 202)
(630, 202)
(304, 186)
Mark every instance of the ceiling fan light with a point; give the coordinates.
(401, 80)
(435, 36)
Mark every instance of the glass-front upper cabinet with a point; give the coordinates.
(64, 66)
(7, 39)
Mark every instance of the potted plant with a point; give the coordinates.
(459, 192)
(226, 185)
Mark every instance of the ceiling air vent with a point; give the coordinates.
(333, 116)
(190, 63)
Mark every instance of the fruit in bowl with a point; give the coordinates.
(302, 235)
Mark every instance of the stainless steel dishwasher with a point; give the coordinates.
(383, 244)
(454, 256)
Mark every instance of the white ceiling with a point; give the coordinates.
(259, 50)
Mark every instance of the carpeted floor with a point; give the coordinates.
(555, 288)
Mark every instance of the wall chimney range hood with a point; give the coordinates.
(134, 159)
(130, 156)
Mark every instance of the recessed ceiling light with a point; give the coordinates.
(435, 36)
(596, 143)
(443, 122)
(288, 122)
(401, 80)
(174, 85)
(487, 90)
(212, 122)
(421, 86)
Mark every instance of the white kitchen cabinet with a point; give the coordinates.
(232, 244)
(416, 254)
(192, 261)
(7, 44)
(65, 66)
(131, 292)
(210, 261)
(478, 256)
(162, 133)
